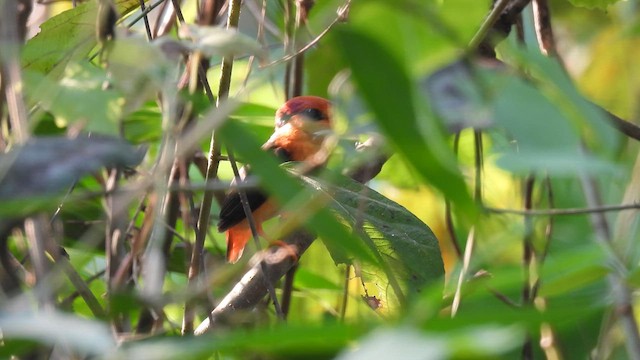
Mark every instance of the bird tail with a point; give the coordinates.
(237, 238)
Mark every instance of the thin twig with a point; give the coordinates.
(528, 261)
(343, 10)
(543, 29)
(345, 292)
(448, 213)
(466, 262)
(146, 20)
(488, 23)
(10, 69)
(559, 212)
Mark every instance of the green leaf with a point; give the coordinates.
(291, 341)
(67, 37)
(219, 41)
(78, 97)
(418, 138)
(144, 124)
(139, 81)
(402, 241)
(45, 167)
(583, 116)
(571, 272)
(546, 119)
(308, 280)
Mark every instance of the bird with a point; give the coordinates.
(301, 126)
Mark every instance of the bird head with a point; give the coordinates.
(308, 113)
(302, 124)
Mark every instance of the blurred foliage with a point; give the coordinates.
(540, 284)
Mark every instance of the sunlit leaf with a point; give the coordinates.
(309, 280)
(403, 241)
(76, 98)
(67, 37)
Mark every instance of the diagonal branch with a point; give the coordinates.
(278, 260)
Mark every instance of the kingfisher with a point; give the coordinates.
(301, 126)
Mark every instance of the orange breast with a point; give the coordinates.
(298, 143)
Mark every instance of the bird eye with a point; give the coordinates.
(313, 114)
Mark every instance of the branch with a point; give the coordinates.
(572, 211)
(278, 260)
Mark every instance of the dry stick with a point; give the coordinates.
(146, 20)
(543, 29)
(169, 216)
(66, 302)
(248, 292)
(36, 233)
(345, 292)
(259, 38)
(223, 94)
(114, 239)
(207, 16)
(527, 261)
(254, 232)
(144, 13)
(289, 45)
(466, 261)
(448, 213)
(10, 40)
(81, 286)
(469, 247)
(340, 18)
(295, 73)
(619, 289)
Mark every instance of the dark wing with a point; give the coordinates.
(231, 211)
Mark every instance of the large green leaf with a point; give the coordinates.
(417, 137)
(406, 253)
(67, 37)
(289, 341)
(546, 119)
(45, 167)
(402, 241)
(78, 97)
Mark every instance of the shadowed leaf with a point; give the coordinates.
(47, 166)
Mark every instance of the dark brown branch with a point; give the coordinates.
(497, 26)
(251, 288)
(629, 129)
